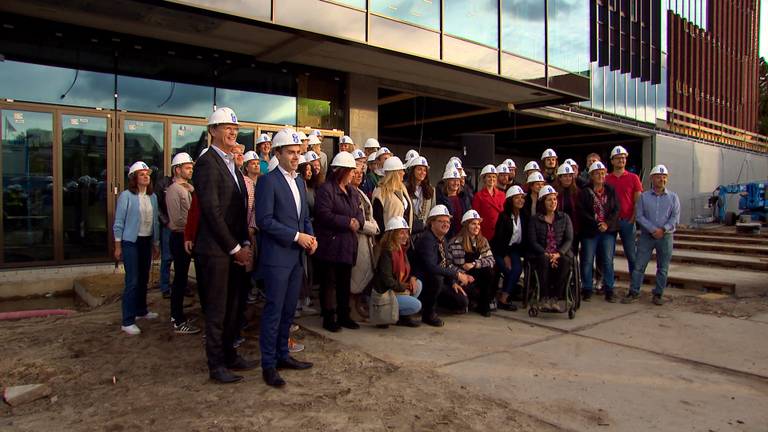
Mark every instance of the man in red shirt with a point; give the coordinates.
(628, 189)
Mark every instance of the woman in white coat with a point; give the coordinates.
(362, 272)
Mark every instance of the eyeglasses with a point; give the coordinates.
(231, 129)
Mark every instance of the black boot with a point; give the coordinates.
(329, 321)
(347, 322)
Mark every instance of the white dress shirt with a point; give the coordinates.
(291, 179)
(517, 235)
(229, 161)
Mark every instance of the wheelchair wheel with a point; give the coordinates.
(533, 312)
(571, 313)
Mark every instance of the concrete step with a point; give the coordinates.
(722, 247)
(720, 230)
(740, 240)
(741, 283)
(746, 262)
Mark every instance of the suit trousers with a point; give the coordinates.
(282, 285)
(221, 281)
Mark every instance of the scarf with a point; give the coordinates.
(400, 266)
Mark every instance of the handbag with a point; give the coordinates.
(383, 308)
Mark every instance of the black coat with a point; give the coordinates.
(425, 257)
(334, 210)
(537, 234)
(441, 198)
(505, 229)
(588, 226)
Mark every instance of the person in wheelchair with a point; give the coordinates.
(471, 252)
(550, 234)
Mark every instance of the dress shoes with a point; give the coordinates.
(433, 321)
(272, 378)
(224, 376)
(292, 363)
(242, 364)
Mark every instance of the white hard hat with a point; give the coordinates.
(372, 157)
(382, 151)
(571, 162)
(313, 140)
(565, 168)
(514, 190)
(619, 150)
(344, 160)
(397, 222)
(438, 210)
(470, 215)
(453, 163)
(455, 159)
(547, 190)
(548, 153)
(510, 163)
(659, 169)
(596, 166)
(372, 143)
(502, 169)
(273, 163)
(316, 132)
(263, 138)
(532, 165)
(359, 154)
(138, 166)
(311, 156)
(202, 152)
(393, 164)
(535, 177)
(302, 159)
(410, 154)
(345, 140)
(302, 136)
(286, 137)
(488, 169)
(451, 173)
(249, 156)
(463, 173)
(418, 161)
(222, 115)
(181, 158)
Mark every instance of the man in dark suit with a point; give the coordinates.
(286, 234)
(219, 248)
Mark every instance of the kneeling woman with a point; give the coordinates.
(471, 252)
(550, 235)
(393, 271)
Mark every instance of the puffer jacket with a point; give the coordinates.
(537, 234)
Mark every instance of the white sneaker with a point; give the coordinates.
(131, 330)
(149, 315)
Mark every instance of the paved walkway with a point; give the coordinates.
(613, 368)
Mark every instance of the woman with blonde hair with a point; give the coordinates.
(390, 198)
(471, 252)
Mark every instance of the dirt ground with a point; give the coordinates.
(161, 383)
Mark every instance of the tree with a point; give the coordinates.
(762, 114)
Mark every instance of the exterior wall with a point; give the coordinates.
(363, 108)
(697, 169)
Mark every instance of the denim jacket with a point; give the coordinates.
(128, 216)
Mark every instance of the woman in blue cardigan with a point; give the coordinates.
(137, 242)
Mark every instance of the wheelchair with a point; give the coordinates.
(531, 290)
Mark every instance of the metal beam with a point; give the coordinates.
(396, 98)
(443, 118)
(517, 128)
(563, 137)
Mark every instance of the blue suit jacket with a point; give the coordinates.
(278, 222)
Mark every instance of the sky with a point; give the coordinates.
(764, 29)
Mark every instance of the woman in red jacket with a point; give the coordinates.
(489, 201)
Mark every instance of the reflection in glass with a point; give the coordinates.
(520, 68)
(46, 84)
(163, 97)
(425, 13)
(27, 182)
(610, 91)
(85, 183)
(661, 91)
(474, 20)
(522, 23)
(258, 107)
(650, 102)
(314, 112)
(360, 4)
(403, 37)
(640, 115)
(247, 137)
(143, 141)
(621, 94)
(568, 26)
(598, 93)
(321, 17)
(468, 54)
(260, 9)
(631, 97)
(191, 139)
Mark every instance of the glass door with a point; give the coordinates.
(27, 184)
(189, 138)
(142, 139)
(86, 186)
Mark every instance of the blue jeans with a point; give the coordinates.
(166, 258)
(627, 232)
(137, 258)
(409, 304)
(601, 246)
(645, 246)
(511, 276)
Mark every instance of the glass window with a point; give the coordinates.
(474, 20)
(163, 97)
(661, 91)
(598, 91)
(258, 107)
(425, 13)
(650, 102)
(85, 183)
(143, 141)
(191, 139)
(321, 17)
(621, 94)
(402, 37)
(247, 137)
(261, 9)
(568, 39)
(468, 54)
(631, 97)
(27, 182)
(47, 84)
(640, 101)
(360, 4)
(522, 23)
(610, 91)
(520, 68)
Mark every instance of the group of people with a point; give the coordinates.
(375, 235)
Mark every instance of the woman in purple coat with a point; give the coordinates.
(337, 217)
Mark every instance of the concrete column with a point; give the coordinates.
(363, 112)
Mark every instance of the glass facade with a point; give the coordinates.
(568, 38)
(191, 139)
(143, 140)
(424, 13)
(476, 21)
(523, 28)
(55, 85)
(163, 97)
